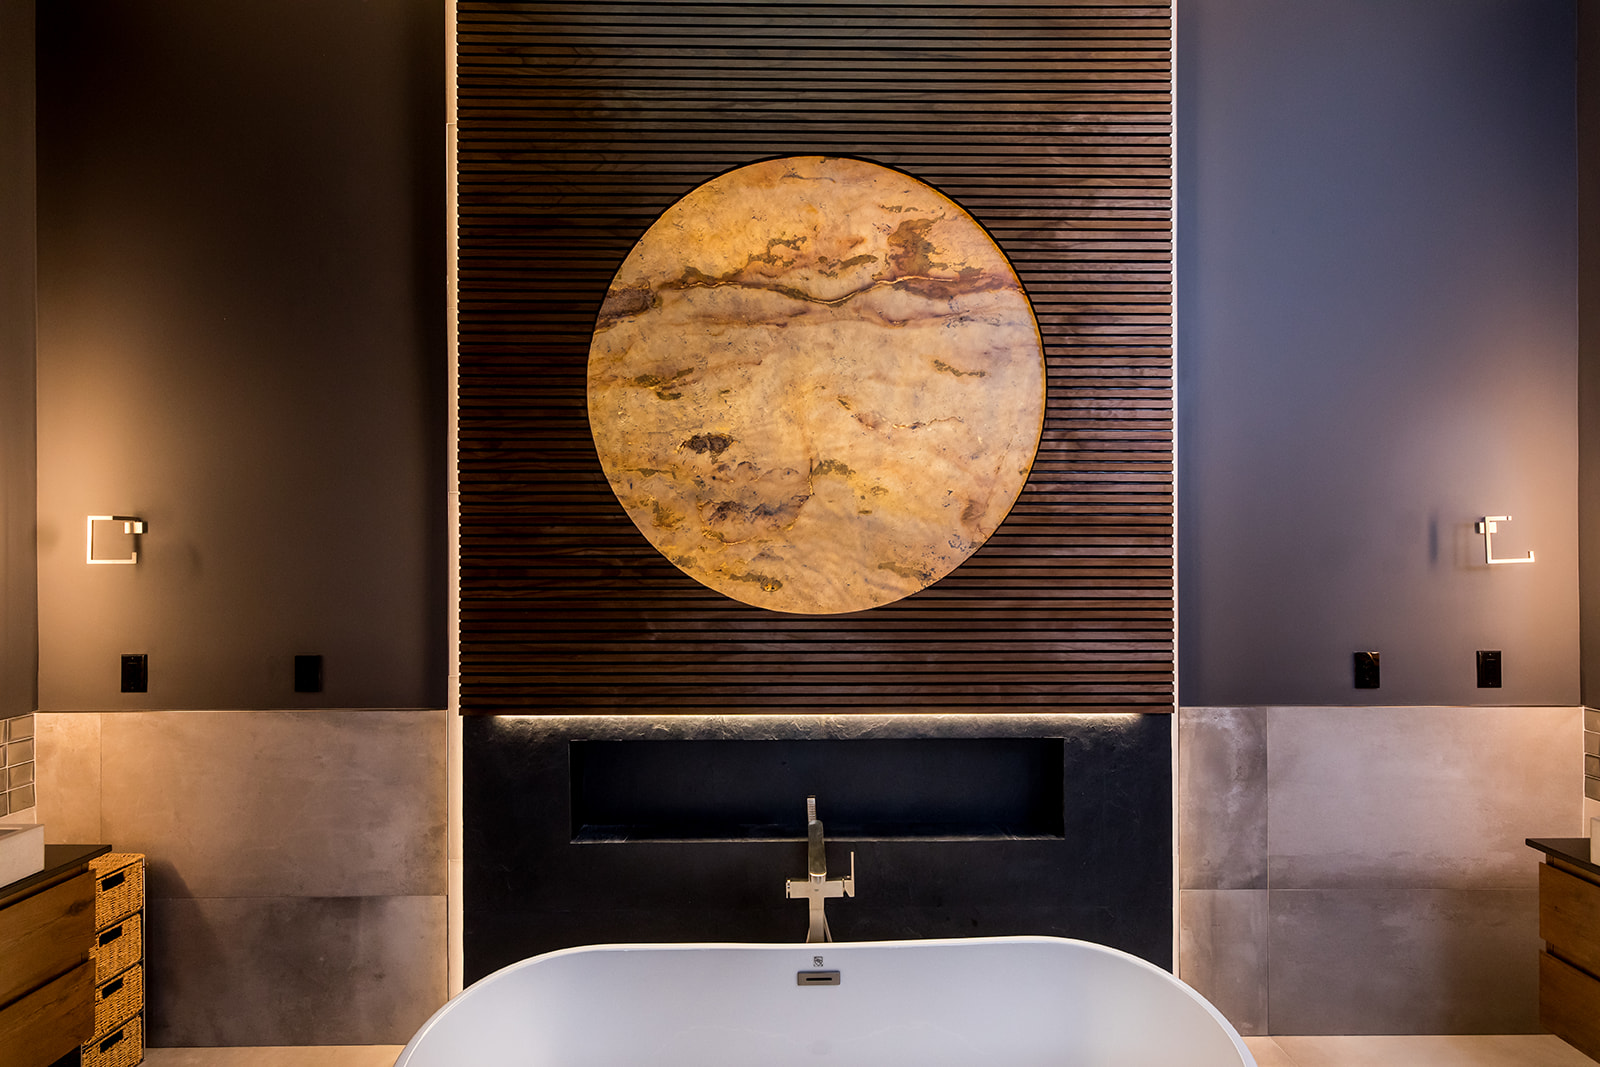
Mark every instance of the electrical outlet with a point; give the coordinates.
(135, 673)
(1366, 670)
(308, 674)
(1488, 669)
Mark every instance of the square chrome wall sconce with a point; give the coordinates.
(132, 527)
(1488, 526)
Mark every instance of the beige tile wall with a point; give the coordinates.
(1363, 870)
(1342, 870)
(69, 776)
(296, 864)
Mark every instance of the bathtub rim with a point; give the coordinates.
(768, 946)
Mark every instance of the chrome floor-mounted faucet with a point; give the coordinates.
(816, 887)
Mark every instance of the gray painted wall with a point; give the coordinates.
(18, 589)
(242, 341)
(1377, 345)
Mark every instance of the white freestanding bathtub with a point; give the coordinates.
(976, 1002)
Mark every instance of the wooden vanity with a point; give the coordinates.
(1569, 923)
(47, 982)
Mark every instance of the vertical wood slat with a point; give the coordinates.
(580, 122)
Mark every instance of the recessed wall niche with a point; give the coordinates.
(579, 125)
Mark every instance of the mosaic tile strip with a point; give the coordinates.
(16, 764)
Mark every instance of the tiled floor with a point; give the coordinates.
(1521, 1050)
(317, 1056)
(1518, 1050)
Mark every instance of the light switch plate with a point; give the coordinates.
(1489, 668)
(1366, 670)
(136, 673)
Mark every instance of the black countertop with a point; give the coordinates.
(58, 859)
(1574, 850)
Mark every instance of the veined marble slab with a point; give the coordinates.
(816, 385)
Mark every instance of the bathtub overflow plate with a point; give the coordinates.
(816, 978)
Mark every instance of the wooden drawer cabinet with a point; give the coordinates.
(1569, 1004)
(45, 934)
(46, 976)
(40, 1027)
(1569, 923)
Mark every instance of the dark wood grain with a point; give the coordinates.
(1569, 914)
(45, 935)
(51, 1021)
(1569, 1004)
(579, 123)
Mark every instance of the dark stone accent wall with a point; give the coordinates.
(530, 887)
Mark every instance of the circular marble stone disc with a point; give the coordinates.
(816, 385)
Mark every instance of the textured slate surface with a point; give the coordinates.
(530, 889)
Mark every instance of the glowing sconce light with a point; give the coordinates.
(1488, 526)
(130, 525)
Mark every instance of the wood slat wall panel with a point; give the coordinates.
(579, 123)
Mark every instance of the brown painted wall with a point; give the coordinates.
(241, 340)
(19, 640)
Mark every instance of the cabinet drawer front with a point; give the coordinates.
(118, 887)
(117, 1001)
(117, 948)
(51, 1021)
(45, 934)
(1569, 917)
(1569, 1004)
(123, 1047)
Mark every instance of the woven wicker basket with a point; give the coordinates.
(123, 1047)
(118, 886)
(118, 1000)
(117, 949)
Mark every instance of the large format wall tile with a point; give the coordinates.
(1222, 952)
(1418, 796)
(69, 776)
(1398, 893)
(263, 804)
(294, 971)
(1222, 798)
(1403, 961)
